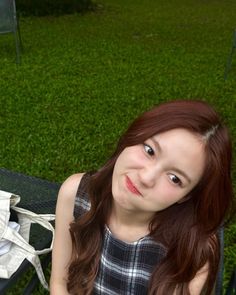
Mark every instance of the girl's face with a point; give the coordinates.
(152, 176)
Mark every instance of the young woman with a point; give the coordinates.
(147, 221)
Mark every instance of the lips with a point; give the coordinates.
(131, 187)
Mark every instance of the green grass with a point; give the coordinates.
(83, 78)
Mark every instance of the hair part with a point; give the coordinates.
(211, 132)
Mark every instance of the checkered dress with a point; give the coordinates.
(125, 268)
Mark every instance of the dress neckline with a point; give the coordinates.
(147, 237)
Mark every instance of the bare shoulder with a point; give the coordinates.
(197, 284)
(68, 189)
(62, 247)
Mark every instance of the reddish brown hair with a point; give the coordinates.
(188, 230)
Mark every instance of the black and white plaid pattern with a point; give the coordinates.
(125, 268)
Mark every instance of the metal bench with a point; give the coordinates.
(36, 195)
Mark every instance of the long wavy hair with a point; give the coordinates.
(188, 230)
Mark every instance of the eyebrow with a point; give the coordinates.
(157, 146)
(179, 171)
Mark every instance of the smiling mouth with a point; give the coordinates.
(131, 187)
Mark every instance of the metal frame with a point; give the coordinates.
(219, 278)
(13, 26)
(230, 58)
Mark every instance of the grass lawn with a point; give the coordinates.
(83, 78)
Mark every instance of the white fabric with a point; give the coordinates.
(5, 245)
(17, 237)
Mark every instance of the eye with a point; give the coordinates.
(148, 149)
(175, 179)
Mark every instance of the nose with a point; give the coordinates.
(148, 176)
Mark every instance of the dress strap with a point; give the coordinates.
(82, 202)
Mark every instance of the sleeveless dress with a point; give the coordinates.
(125, 268)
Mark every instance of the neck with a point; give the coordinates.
(128, 225)
(130, 218)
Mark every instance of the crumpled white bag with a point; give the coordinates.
(17, 238)
(5, 245)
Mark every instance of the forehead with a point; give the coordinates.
(179, 133)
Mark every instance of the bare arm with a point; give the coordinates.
(62, 247)
(196, 285)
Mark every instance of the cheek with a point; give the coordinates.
(169, 194)
(130, 156)
(120, 162)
